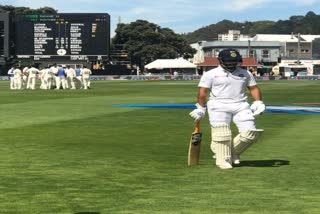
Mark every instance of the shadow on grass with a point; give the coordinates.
(264, 163)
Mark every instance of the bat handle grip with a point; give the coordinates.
(197, 127)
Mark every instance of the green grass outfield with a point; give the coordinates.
(69, 152)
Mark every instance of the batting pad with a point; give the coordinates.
(218, 134)
(221, 133)
(221, 144)
(223, 155)
(245, 139)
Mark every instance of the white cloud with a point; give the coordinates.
(242, 5)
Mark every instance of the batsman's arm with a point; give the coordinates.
(202, 95)
(255, 92)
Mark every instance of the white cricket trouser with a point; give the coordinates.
(223, 113)
(86, 82)
(24, 81)
(61, 81)
(48, 82)
(17, 82)
(31, 84)
(70, 83)
(12, 86)
(43, 84)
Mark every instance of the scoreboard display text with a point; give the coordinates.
(64, 36)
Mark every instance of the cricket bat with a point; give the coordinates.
(194, 146)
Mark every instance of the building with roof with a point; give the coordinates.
(233, 35)
(266, 52)
(249, 63)
(298, 53)
(294, 46)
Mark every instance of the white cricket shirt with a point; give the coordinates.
(32, 72)
(227, 87)
(17, 73)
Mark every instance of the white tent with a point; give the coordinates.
(170, 63)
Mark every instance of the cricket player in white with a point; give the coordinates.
(54, 70)
(24, 77)
(11, 78)
(71, 74)
(85, 73)
(17, 78)
(228, 101)
(32, 74)
(41, 77)
(48, 78)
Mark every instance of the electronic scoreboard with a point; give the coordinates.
(63, 36)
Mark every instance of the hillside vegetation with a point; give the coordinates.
(308, 24)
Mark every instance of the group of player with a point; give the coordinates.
(52, 77)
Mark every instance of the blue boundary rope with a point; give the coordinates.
(270, 108)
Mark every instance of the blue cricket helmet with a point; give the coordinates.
(229, 55)
(229, 59)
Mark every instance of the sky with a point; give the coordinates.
(182, 16)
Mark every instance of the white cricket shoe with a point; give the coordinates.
(225, 164)
(236, 159)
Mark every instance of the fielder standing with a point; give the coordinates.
(78, 79)
(41, 77)
(61, 78)
(24, 77)
(54, 71)
(71, 75)
(85, 73)
(32, 75)
(226, 86)
(48, 78)
(11, 78)
(17, 76)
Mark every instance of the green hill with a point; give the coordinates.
(308, 24)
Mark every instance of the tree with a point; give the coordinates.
(308, 24)
(27, 10)
(147, 41)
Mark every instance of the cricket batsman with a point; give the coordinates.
(226, 86)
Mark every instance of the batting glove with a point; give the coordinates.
(198, 113)
(257, 107)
